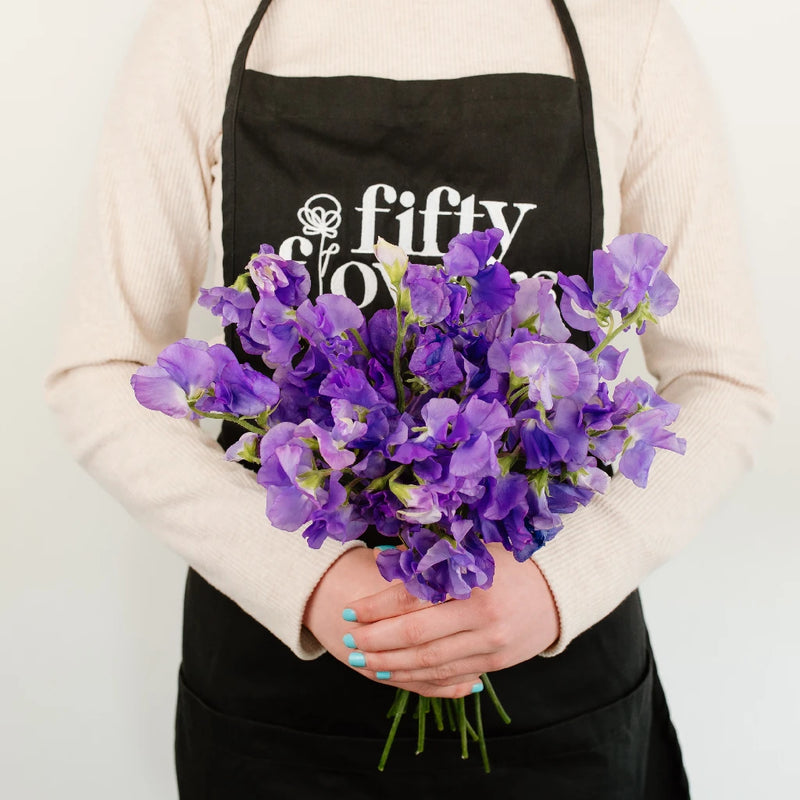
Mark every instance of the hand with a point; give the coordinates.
(439, 644)
(355, 574)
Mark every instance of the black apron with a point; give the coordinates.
(319, 168)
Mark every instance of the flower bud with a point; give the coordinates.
(393, 259)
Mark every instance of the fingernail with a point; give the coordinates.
(478, 687)
(349, 641)
(386, 547)
(383, 676)
(358, 660)
(348, 615)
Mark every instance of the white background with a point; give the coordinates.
(90, 603)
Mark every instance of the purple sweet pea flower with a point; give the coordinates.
(373, 465)
(624, 274)
(350, 383)
(541, 517)
(287, 281)
(456, 571)
(182, 372)
(457, 298)
(284, 458)
(274, 328)
(421, 503)
(588, 374)
(636, 461)
(335, 518)
(663, 294)
(608, 446)
(630, 395)
(444, 423)
(382, 334)
(609, 362)
(647, 430)
(550, 368)
(430, 298)
(468, 252)
(378, 509)
(329, 317)
(513, 531)
(489, 418)
(535, 307)
(332, 449)
(233, 306)
(577, 305)
(333, 443)
(238, 389)
(503, 495)
(434, 360)
(245, 449)
(396, 564)
(380, 378)
(475, 458)
(500, 349)
(433, 569)
(562, 440)
(492, 293)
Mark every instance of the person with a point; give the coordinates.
(317, 127)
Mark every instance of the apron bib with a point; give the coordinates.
(320, 168)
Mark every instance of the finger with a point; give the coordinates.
(433, 656)
(470, 684)
(448, 674)
(391, 602)
(411, 629)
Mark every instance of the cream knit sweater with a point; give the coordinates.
(155, 217)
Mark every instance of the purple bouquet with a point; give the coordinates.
(459, 417)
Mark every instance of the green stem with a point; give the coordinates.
(230, 418)
(422, 712)
(436, 705)
(395, 703)
(462, 726)
(399, 711)
(360, 341)
(493, 697)
(626, 321)
(521, 392)
(398, 350)
(481, 738)
(451, 719)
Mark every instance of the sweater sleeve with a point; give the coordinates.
(704, 355)
(141, 258)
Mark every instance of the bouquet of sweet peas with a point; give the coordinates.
(460, 417)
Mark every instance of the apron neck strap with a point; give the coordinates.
(589, 141)
(584, 96)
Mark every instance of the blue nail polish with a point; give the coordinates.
(478, 687)
(358, 660)
(383, 676)
(349, 641)
(348, 615)
(386, 547)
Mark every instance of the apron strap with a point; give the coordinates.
(589, 140)
(229, 182)
(232, 107)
